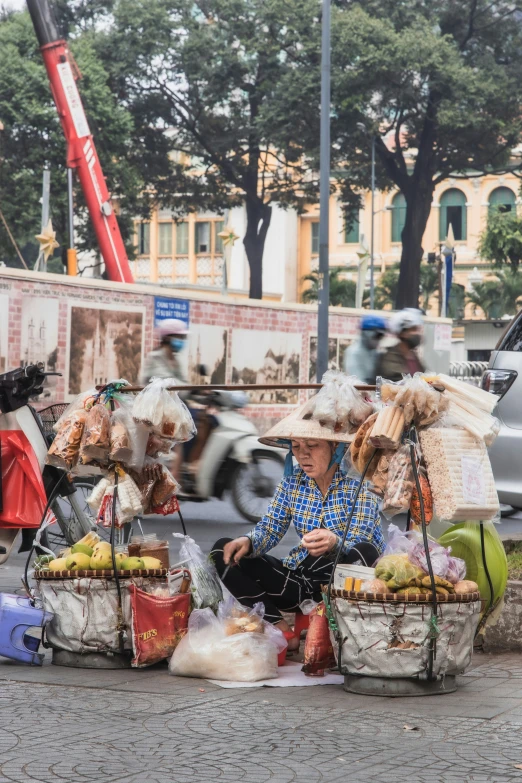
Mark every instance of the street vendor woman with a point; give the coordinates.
(317, 497)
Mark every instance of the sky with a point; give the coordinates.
(17, 5)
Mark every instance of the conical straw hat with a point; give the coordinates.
(299, 424)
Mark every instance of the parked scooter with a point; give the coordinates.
(226, 455)
(34, 430)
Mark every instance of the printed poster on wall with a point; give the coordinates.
(207, 354)
(442, 337)
(266, 358)
(4, 331)
(104, 343)
(39, 338)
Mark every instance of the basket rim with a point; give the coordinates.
(405, 598)
(102, 574)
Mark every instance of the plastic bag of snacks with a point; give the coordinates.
(95, 443)
(206, 584)
(217, 648)
(419, 400)
(339, 404)
(128, 439)
(166, 615)
(399, 486)
(163, 412)
(318, 651)
(65, 448)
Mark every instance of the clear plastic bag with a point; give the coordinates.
(206, 584)
(418, 399)
(399, 486)
(206, 651)
(163, 411)
(80, 402)
(339, 404)
(95, 445)
(240, 619)
(400, 542)
(397, 571)
(64, 451)
(128, 439)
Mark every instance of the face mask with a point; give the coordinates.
(177, 344)
(414, 340)
(371, 339)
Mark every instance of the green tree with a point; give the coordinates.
(441, 80)
(501, 240)
(386, 288)
(32, 136)
(342, 290)
(498, 296)
(215, 74)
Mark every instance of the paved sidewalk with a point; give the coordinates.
(60, 725)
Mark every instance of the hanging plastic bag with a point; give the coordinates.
(82, 401)
(64, 451)
(420, 402)
(399, 487)
(318, 651)
(465, 542)
(206, 584)
(95, 444)
(207, 651)
(339, 404)
(163, 412)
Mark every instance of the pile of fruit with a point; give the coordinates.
(92, 554)
(395, 573)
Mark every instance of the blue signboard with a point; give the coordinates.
(171, 308)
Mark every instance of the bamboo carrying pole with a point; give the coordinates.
(241, 387)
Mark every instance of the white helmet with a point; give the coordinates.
(408, 318)
(171, 326)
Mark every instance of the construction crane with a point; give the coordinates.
(62, 72)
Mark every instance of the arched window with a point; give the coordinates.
(398, 216)
(453, 212)
(502, 199)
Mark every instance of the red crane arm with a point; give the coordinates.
(81, 150)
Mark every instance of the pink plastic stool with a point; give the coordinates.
(302, 623)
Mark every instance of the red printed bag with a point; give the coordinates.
(158, 625)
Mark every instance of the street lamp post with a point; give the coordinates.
(324, 198)
(372, 255)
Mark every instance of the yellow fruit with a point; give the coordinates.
(120, 558)
(77, 562)
(101, 560)
(133, 564)
(83, 548)
(58, 564)
(101, 546)
(151, 562)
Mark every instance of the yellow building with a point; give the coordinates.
(189, 253)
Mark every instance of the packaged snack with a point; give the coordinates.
(399, 487)
(339, 404)
(427, 497)
(163, 412)
(95, 444)
(388, 428)
(65, 448)
(420, 401)
(120, 442)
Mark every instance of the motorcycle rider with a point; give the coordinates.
(164, 362)
(360, 358)
(402, 358)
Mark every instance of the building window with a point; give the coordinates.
(351, 229)
(502, 199)
(453, 212)
(398, 216)
(144, 239)
(203, 237)
(315, 238)
(165, 239)
(182, 237)
(218, 242)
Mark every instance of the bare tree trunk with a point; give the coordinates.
(258, 222)
(418, 208)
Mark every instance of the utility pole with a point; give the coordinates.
(72, 262)
(41, 261)
(324, 198)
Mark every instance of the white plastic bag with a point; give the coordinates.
(163, 411)
(207, 652)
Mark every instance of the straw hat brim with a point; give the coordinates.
(298, 424)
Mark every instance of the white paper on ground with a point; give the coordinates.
(290, 675)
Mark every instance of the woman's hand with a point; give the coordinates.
(236, 549)
(319, 542)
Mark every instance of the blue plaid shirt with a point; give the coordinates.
(298, 499)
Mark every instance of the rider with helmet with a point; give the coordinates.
(360, 358)
(164, 362)
(402, 358)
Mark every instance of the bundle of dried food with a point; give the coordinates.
(361, 450)
(427, 500)
(163, 412)
(469, 407)
(120, 440)
(339, 405)
(420, 401)
(65, 448)
(399, 487)
(95, 441)
(460, 475)
(379, 477)
(388, 428)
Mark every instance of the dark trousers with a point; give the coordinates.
(267, 580)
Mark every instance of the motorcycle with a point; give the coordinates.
(226, 455)
(32, 430)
